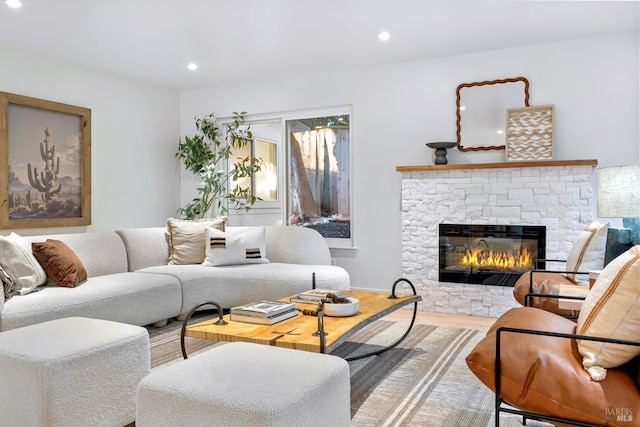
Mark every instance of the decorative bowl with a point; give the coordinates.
(445, 145)
(341, 310)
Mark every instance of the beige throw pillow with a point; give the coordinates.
(588, 251)
(186, 238)
(611, 310)
(18, 261)
(235, 245)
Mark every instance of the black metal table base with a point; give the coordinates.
(402, 338)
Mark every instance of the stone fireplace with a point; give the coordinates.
(557, 195)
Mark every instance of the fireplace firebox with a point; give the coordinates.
(489, 254)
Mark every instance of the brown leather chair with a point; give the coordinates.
(530, 359)
(541, 289)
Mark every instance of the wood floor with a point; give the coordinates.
(453, 319)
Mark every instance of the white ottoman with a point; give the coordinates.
(243, 384)
(71, 372)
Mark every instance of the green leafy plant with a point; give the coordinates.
(207, 155)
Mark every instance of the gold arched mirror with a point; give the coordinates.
(482, 107)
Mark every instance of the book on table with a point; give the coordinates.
(314, 296)
(270, 320)
(263, 308)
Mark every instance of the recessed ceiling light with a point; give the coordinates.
(192, 66)
(384, 36)
(14, 3)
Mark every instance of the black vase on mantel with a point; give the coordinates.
(441, 150)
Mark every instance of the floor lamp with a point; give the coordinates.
(618, 196)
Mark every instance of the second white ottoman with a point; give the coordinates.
(242, 384)
(71, 372)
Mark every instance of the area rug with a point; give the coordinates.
(422, 382)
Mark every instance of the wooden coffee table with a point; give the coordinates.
(304, 332)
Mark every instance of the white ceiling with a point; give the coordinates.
(239, 40)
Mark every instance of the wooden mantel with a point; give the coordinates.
(501, 165)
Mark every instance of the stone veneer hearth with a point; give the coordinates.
(556, 194)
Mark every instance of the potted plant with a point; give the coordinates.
(208, 156)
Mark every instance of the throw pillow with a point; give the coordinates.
(236, 245)
(60, 262)
(611, 310)
(588, 251)
(186, 238)
(20, 264)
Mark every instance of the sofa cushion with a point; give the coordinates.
(612, 310)
(587, 252)
(101, 252)
(235, 245)
(134, 298)
(146, 246)
(544, 374)
(240, 284)
(61, 264)
(186, 238)
(18, 261)
(296, 245)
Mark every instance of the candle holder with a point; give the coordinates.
(441, 150)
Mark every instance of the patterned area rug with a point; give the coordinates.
(422, 382)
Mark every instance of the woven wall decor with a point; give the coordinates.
(530, 133)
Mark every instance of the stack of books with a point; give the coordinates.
(263, 312)
(314, 296)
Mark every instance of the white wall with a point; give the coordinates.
(398, 108)
(135, 129)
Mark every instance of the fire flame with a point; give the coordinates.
(476, 257)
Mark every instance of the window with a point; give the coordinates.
(264, 146)
(319, 153)
(306, 172)
(266, 181)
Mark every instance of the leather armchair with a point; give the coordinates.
(540, 288)
(530, 359)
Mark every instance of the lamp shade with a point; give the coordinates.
(618, 191)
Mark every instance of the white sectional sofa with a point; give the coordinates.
(129, 280)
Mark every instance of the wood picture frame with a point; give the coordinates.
(45, 167)
(530, 133)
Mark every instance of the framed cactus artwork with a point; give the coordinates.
(45, 163)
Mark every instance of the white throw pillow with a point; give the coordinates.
(588, 251)
(186, 238)
(611, 310)
(235, 245)
(17, 259)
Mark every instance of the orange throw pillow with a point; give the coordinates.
(60, 263)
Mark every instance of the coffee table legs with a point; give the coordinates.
(321, 332)
(220, 321)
